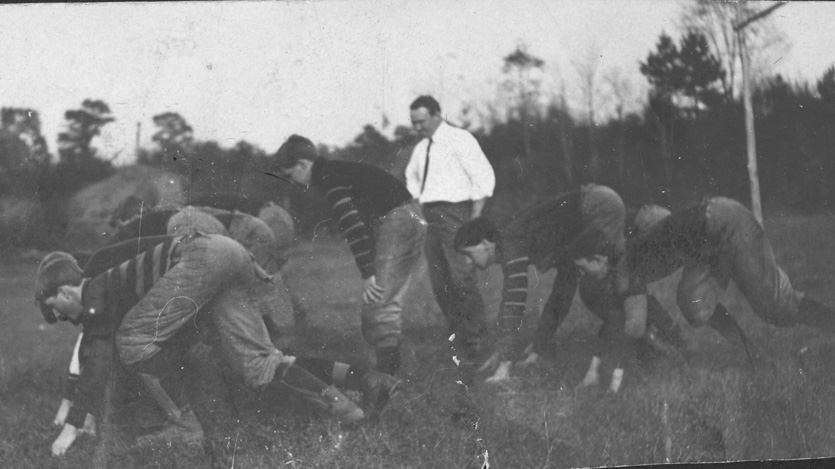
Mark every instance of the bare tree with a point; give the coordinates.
(622, 92)
(715, 20)
(523, 82)
(565, 136)
(742, 23)
(587, 69)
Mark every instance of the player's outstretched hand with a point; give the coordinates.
(531, 357)
(63, 410)
(490, 363)
(373, 292)
(502, 373)
(89, 427)
(68, 435)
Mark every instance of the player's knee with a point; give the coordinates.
(696, 312)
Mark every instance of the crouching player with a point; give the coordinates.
(158, 292)
(142, 232)
(251, 231)
(551, 234)
(716, 241)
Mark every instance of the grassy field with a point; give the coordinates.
(716, 408)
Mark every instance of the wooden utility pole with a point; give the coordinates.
(750, 136)
(136, 144)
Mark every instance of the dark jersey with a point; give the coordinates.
(539, 235)
(106, 299)
(679, 238)
(360, 195)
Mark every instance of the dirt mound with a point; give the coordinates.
(90, 209)
(21, 220)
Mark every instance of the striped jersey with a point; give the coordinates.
(360, 195)
(109, 295)
(106, 299)
(539, 235)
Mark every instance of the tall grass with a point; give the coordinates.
(714, 408)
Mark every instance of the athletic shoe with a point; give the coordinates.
(377, 389)
(187, 430)
(342, 408)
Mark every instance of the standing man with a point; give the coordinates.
(451, 178)
(384, 228)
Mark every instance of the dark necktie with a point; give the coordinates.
(426, 167)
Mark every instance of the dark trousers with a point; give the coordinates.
(453, 280)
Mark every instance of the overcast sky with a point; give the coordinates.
(261, 71)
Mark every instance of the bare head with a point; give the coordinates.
(295, 158)
(478, 241)
(58, 287)
(425, 113)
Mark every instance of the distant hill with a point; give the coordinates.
(90, 209)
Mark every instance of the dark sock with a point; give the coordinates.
(816, 314)
(388, 359)
(319, 367)
(302, 382)
(675, 338)
(161, 366)
(354, 377)
(667, 328)
(658, 316)
(722, 322)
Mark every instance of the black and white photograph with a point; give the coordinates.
(417, 234)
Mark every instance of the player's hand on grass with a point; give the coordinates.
(373, 292)
(592, 377)
(531, 357)
(529, 360)
(89, 427)
(502, 373)
(63, 410)
(68, 435)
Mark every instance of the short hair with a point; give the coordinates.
(55, 270)
(295, 149)
(648, 217)
(430, 103)
(474, 232)
(588, 243)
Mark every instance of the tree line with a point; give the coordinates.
(687, 140)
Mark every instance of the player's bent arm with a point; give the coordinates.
(63, 410)
(71, 386)
(357, 233)
(96, 359)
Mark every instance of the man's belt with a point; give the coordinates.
(434, 205)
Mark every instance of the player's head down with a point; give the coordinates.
(57, 269)
(478, 240)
